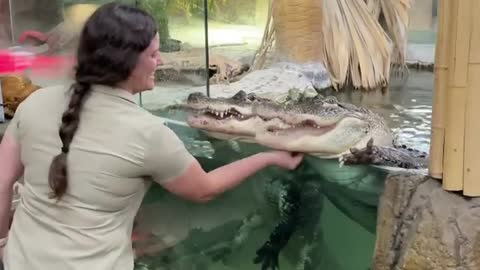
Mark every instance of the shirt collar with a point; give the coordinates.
(114, 91)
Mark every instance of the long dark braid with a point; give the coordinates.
(110, 44)
(70, 120)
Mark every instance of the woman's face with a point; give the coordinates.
(143, 75)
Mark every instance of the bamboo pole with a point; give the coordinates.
(472, 111)
(457, 94)
(455, 125)
(440, 91)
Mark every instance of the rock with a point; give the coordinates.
(421, 226)
(188, 66)
(274, 80)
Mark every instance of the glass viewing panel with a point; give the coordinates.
(171, 233)
(182, 37)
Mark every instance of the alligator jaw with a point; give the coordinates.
(224, 124)
(325, 140)
(232, 125)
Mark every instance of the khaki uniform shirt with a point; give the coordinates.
(115, 153)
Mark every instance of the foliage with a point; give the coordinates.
(157, 8)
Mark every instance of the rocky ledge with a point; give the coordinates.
(420, 226)
(276, 80)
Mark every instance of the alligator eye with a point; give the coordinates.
(240, 95)
(252, 97)
(195, 97)
(331, 99)
(318, 101)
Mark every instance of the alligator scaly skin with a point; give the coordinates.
(299, 203)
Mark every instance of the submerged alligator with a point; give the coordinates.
(319, 126)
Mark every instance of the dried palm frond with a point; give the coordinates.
(356, 46)
(374, 8)
(396, 20)
(353, 45)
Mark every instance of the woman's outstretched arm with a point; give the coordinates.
(169, 163)
(197, 185)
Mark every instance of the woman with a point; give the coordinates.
(99, 151)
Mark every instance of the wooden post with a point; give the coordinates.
(456, 96)
(472, 110)
(440, 92)
(455, 146)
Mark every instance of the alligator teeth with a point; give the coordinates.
(221, 114)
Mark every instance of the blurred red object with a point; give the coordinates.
(18, 61)
(15, 61)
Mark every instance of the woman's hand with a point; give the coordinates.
(287, 160)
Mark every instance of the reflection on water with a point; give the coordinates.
(406, 107)
(411, 119)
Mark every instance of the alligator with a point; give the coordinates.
(320, 126)
(316, 125)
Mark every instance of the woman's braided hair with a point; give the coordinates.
(108, 51)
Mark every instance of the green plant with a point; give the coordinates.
(158, 8)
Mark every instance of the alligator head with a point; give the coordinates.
(224, 118)
(320, 126)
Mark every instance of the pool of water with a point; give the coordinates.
(337, 211)
(336, 216)
(406, 106)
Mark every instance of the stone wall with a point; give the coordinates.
(420, 226)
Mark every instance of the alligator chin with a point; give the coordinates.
(306, 137)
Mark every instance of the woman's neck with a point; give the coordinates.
(126, 86)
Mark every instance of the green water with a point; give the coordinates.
(340, 225)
